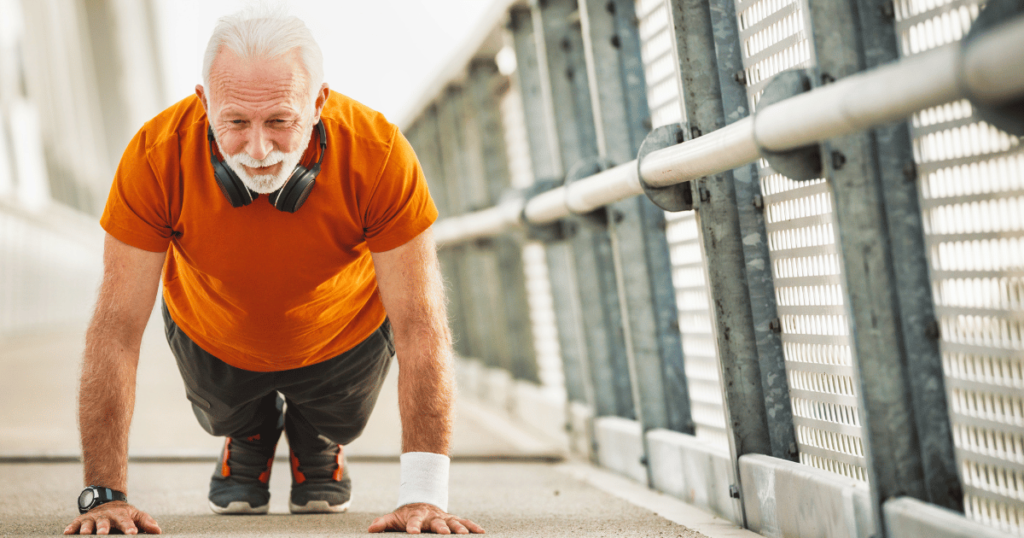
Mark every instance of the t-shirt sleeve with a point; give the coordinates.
(137, 210)
(400, 207)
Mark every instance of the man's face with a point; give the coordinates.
(261, 116)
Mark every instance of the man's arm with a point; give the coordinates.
(412, 290)
(106, 396)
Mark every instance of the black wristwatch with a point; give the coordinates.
(94, 496)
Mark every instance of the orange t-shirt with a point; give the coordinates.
(262, 289)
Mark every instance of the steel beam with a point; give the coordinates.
(844, 34)
(545, 158)
(615, 73)
(591, 242)
(514, 344)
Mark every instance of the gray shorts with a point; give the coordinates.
(333, 399)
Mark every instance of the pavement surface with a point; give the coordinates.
(504, 476)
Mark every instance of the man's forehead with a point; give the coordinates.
(230, 74)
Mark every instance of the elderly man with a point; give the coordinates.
(283, 310)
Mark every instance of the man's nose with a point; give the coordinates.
(258, 146)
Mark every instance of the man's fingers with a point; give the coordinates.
(457, 527)
(148, 524)
(87, 527)
(473, 527)
(415, 525)
(439, 526)
(127, 525)
(73, 527)
(384, 523)
(102, 525)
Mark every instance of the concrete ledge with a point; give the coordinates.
(789, 500)
(693, 471)
(581, 422)
(620, 447)
(542, 410)
(909, 518)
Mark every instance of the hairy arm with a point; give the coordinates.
(106, 397)
(413, 294)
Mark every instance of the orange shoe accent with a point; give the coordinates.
(265, 475)
(296, 473)
(225, 469)
(341, 465)
(252, 438)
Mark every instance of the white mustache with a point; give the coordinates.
(271, 159)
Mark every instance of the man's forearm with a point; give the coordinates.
(106, 400)
(426, 389)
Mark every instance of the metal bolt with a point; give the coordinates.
(734, 491)
(616, 42)
(889, 10)
(695, 131)
(680, 136)
(566, 45)
(758, 202)
(643, 460)
(838, 160)
(827, 79)
(618, 216)
(705, 195)
(610, 7)
(775, 325)
(569, 73)
(910, 171)
(933, 330)
(740, 77)
(647, 123)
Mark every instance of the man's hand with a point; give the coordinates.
(422, 517)
(117, 515)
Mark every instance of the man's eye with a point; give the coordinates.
(238, 122)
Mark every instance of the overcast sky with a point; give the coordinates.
(380, 52)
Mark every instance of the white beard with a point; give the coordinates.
(268, 183)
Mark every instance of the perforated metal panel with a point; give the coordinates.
(538, 285)
(685, 250)
(805, 262)
(971, 184)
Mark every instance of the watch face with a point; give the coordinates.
(86, 498)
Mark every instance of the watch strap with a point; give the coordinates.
(101, 495)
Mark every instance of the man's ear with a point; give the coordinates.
(201, 93)
(321, 99)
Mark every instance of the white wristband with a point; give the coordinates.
(424, 479)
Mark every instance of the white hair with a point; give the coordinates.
(261, 32)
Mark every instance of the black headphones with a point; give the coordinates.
(289, 197)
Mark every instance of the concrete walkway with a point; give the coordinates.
(503, 476)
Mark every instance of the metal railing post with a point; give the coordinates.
(531, 73)
(515, 351)
(615, 73)
(470, 270)
(901, 393)
(561, 41)
(706, 115)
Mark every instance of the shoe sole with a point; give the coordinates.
(318, 507)
(239, 507)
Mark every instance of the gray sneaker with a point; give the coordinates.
(240, 483)
(320, 479)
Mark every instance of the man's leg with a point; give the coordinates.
(241, 405)
(328, 405)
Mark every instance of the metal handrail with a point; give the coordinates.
(988, 70)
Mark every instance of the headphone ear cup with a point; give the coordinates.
(234, 190)
(294, 193)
